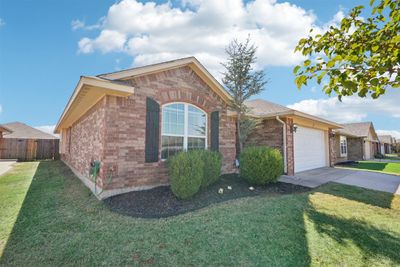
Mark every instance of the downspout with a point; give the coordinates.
(284, 143)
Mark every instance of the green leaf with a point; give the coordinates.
(330, 63)
(296, 69)
(307, 62)
(320, 77)
(375, 48)
(300, 80)
(374, 81)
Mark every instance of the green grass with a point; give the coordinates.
(392, 156)
(383, 167)
(49, 218)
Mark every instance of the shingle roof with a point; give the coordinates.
(23, 131)
(263, 108)
(260, 107)
(4, 129)
(385, 139)
(360, 129)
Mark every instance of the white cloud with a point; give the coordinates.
(393, 133)
(353, 108)
(2, 22)
(107, 41)
(78, 24)
(151, 32)
(47, 129)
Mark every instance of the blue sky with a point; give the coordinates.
(46, 45)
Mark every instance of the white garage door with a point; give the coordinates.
(309, 149)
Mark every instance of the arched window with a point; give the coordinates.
(184, 127)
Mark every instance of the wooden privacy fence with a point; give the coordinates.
(29, 149)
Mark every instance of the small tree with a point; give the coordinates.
(242, 82)
(360, 56)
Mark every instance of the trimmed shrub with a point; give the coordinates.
(261, 165)
(212, 167)
(186, 173)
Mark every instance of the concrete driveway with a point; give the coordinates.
(5, 165)
(365, 179)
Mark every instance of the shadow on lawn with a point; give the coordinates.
(375, 166)
(55, 226)
(366, 196)
(38, 210)
(370, 239)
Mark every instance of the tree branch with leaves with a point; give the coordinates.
(242, 82)
(360, 56)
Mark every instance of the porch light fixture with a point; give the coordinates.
(293, 128)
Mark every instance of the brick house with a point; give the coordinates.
(355, 141)
(305, 141)
(132, 120)
(386, 143)
(4, 130)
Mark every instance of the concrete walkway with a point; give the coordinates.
(5, 165)
(365, 179)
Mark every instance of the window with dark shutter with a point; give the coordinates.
(215, 131)
(152, 130)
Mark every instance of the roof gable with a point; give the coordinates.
(385, 139)
(191, 62)
(265, 109)
(359, 129)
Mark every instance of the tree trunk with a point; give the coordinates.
(239, 134)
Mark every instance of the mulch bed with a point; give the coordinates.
(161, 202)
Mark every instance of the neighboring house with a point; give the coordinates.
(355, 141)
(396, 145)
(303, 139)
(24, 142)
(4, 130)
(386, 142)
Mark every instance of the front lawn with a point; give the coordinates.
(48, 217)
(392, 156)
(383, 167)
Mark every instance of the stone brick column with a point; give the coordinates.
(289, 147)
(331, 143)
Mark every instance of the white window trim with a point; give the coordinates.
(186, 126)
(343, 139)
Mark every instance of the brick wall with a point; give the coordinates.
(126, 118)
(113, 131)
(290, 147)
(336, 150)
(355, 148)
(84, 141)
(268, 133)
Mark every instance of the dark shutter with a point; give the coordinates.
(152, 130)
(215, 131)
